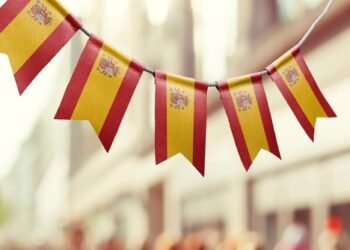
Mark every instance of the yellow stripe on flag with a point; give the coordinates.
(180, 122)
(249, 119)
(100, 90)
(12, 44)
(301, 91)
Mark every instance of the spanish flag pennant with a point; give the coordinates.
(246, 106)
(32, 32)
(181, 119)
(100, 89)
(294, 79)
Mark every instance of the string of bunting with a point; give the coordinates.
(32, 32)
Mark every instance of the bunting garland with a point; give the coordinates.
(181, 119)
(249, 115)
(295, 81)
(100, 89)
(32, 32)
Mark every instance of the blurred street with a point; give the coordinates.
(59, 189)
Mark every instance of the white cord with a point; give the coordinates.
(315, 23)
(264, 72)
(311, 29)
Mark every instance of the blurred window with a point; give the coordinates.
(265, 15)
(219, 18)
(271, 230)
(311, 4)
(157, 11)
(303, 217)
(289, 10)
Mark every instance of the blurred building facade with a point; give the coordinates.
(66, 176)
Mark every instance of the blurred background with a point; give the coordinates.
(60, 190)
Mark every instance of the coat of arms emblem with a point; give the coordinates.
(243, 100)
(292, 76)
(40, 13)
(108, 66)
(178, 98)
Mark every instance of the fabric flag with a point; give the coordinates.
(100, 89)
(32, 32)
(181, 119)
(246, 106)
(294, 79)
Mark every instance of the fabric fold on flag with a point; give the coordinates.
(247, 109)
(100, 89)
(181, 119)
(32, 32)
(296, 83)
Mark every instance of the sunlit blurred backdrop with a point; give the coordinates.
(58, 184)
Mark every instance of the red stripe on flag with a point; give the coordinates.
(161, 145)
(311, 80)
(265, 114)
(44, 54)
(200, 126)
(79, 78)
(235, 125)
(115, 116)
(10, 10)
(292, 102)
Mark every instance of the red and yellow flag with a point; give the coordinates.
(32, 32)
(181, 119)
(100, 89)
(246, 106)
(294, 79)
